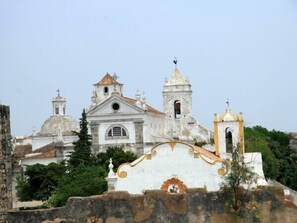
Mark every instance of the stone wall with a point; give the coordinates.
(154, 206)
(5, 163)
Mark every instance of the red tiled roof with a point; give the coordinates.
(208, 154)
(65, 133)
(21, 151)
(149, 108)
(107, 80)
(47, 151)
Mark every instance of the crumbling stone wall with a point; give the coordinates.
(154, 206)
(5, 163)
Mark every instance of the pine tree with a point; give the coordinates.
(82, 153)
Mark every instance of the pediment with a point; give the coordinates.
(115, 105)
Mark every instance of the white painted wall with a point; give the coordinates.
(40, 141)
(166, 164)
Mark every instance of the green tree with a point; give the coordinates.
(238, 176)
(82, 153)
(279, 161)
(257, 142)
(81, 181)
(39, 181)
(118, 156)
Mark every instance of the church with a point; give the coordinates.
(130, 122)
(164, 140)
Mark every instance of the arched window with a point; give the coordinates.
(229, 140)
(117, 132)
(177, 109)
(106, 90)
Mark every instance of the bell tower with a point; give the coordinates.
(105, 87)
(177, 104)
(59, 105)
(228, 132)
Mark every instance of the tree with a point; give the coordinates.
(82, 147)
(39, 181)
(81, 181)
(279, 160)
(85, 180)
(240, 175)
(257, 142)
(118, 156)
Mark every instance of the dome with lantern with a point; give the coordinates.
(59, 122)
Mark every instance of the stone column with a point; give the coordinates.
(94, 126)
(139, 137)
(5, 164)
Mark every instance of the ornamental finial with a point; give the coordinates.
(110, 166)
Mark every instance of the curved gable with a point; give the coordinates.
(194, 166)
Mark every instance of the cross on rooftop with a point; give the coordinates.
(115, 76)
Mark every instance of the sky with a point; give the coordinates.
(244, 51)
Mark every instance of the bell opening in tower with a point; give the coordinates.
(229, 140)
(177, 109)
(106, 90)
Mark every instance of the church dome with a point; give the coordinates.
(64, 122)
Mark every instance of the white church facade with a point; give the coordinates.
(119, 120)
(116, 120)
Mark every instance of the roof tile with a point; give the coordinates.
(107, 80)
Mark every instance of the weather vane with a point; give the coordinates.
(228, 103)
(175, 62)
(58, 92)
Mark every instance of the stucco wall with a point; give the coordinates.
(5, 163)
(153, 206)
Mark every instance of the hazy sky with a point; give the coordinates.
(242, 50)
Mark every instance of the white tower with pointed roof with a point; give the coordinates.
(228, 132)
(177, 97)
(105, 87)
(177, 103)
